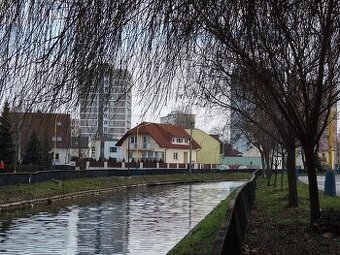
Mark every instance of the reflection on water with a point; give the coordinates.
(148, 220)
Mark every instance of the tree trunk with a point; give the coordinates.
(268, 168)
(313, 184)
(264, 174)
(282, 168)
(275, 174)
(293, 198)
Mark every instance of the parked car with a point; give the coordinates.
(242, 167)
(223, 167)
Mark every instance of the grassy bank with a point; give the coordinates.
(275, 229)
(17, 193)
(201, 239)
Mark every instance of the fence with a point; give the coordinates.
(140, 165)
(231, 235)
(27, 178)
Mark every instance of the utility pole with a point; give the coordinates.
(79, 145)
(190, 155)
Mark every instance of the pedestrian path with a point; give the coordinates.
(321, 182)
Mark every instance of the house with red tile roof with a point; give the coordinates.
(156, 142)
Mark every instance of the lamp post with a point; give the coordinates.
(190, 155)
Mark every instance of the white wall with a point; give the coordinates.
(180, 153)
(64, 156)
(107, 154)
(153, 146)
(74, 152)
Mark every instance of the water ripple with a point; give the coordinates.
(147, 220)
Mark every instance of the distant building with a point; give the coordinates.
(242, 162)
(106, 112)
(178, 118)
(79, 147)
(329, 144)
(75, 131)
(111, 151)
(55, 128)
(233, 153)
(160, 142)
(210, 147)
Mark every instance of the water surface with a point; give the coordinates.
(147, 220)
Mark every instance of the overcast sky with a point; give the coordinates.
(206, 119)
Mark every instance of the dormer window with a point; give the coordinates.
(178, 140)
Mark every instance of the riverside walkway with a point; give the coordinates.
(321, 182)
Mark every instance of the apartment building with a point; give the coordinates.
(179, 118)
(106, 111)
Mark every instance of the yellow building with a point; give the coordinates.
(210, 147)
(328, 142)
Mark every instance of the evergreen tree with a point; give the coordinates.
(46, 155)
(6, 141)
(33, 151)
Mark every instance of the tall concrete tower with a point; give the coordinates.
(105, 112)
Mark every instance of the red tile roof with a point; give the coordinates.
(162, 134)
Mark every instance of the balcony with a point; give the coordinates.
(132, 146)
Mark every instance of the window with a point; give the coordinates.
(113, 149)
(133, 139)
(175, 155)
(59, 139)
(145, 141)
(93, 152)
(150, 154)
(178, 140)
(57, 156)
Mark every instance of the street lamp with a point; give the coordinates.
(190, 155)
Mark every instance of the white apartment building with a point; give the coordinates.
(179, 118)
(106, 112)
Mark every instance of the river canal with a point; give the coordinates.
(144, 220)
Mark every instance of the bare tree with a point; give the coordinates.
(291, 48)
(261, 121)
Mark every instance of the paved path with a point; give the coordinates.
(321, 182)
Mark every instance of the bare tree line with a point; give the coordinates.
(290, 49)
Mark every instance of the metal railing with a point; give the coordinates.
(35, 177)
(231, 235)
